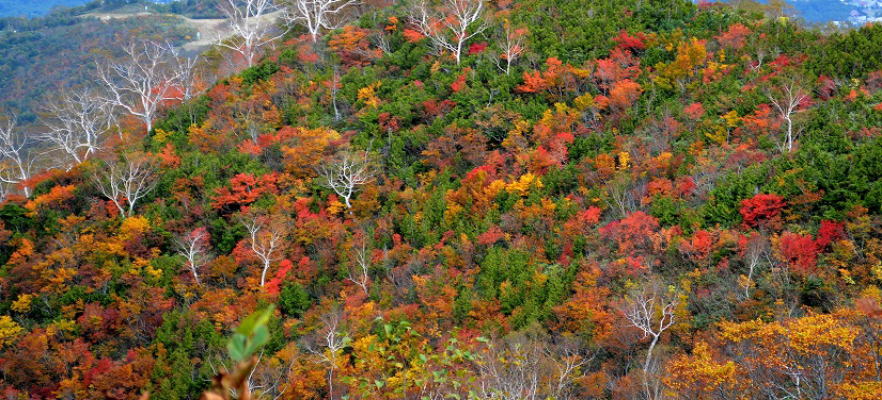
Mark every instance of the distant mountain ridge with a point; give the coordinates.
(18, 8)
(30, 9)
(850, 12)
(856, 12)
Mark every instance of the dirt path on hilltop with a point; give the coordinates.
(208, 30)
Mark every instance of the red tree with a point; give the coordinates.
(762, 210)
(799, 252)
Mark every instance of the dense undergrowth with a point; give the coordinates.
(515, 231)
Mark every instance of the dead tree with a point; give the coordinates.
(126, 181)
(346, 174)
(757, 251)
(651, 310)
(512, 43)
(315, 15)
(194, 247)
(359, 270)
(142, 81)
(16, 160)
(450, 24)
(787, 99)
(251, 28)
(77, 124)
(266, 235)
(187, 75)
(328, 343)
(523, 367)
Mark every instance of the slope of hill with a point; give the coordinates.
(45, 55)
(34, 9)
(631, 199)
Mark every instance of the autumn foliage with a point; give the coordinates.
(576, 208)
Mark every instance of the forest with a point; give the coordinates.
(40, 57)
(454, 199)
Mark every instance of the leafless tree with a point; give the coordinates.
(328, 344)
(620, 194)
(450, 24)
(144, 79)
(361, 263)
(568, 361)
(251, 27)
(757, 251)
(126, 181)
(346, 173)
(268, 380)
(512, 42)
(522, 367)
(194, 247)
(651, 310)
(266, 235)
(787, 99)
(16, 159)
(187, 74)
(315, 15)
(77, 124)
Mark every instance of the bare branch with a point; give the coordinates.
(266, 234)
(16, 160)
(193, 246)
(315, 15)
(758, 249)
(77, 124)
(142, 81)
(787, 99)
(127, 181)
(651, 310)
(328, 343)
(449, 25)
(359, 270)
(346, 174)
(187, 75)
(251, 26)
(512, 43)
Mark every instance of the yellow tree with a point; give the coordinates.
(800, 358)
(701, 376)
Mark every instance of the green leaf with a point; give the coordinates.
(236, 347)
(258, 318)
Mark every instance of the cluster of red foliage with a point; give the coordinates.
(244, 189)
(762, 210)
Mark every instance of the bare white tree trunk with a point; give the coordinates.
(328, 343)
(127, 181)
(757, 250)
(315, 15)
(521, 368)
(187, 75)
(252, 28)
(512, 44)
(786, 99)
(193, 246)
(651, 310)
(359, 271)
(266, 236)
(16, 161)
(346, 174)
(449, 25)
(142, 81)
(77, 124)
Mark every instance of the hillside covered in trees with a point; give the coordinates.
(41, 57)
(457, 199)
